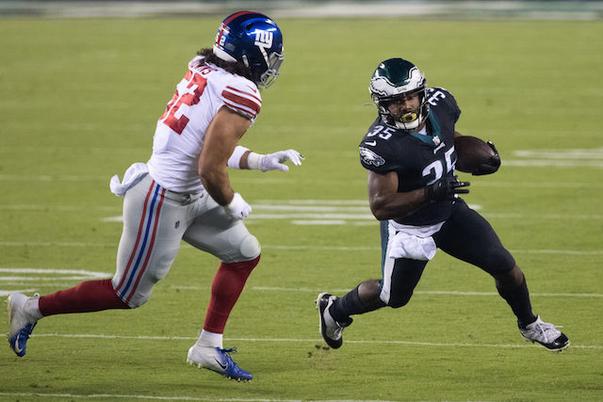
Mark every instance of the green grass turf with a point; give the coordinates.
(79, 100)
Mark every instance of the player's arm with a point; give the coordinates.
(385, 200)
(221, 137)
(244, 158)
(387, 203)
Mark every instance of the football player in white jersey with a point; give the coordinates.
(184, 192)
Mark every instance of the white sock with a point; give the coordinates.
(32, 308)
(210, 339)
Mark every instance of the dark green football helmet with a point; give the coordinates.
(395, 79)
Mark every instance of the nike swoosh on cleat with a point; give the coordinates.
(16, 347)
(221, 364)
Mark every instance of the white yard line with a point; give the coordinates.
(478, 183)
(558, 163)
(319, 212)
(64, 396)
(55, 244)
(4, 293)
(303, 340)
(534, 185)
(287, 247)
(86, 275)
(58, 208)
(423, 292)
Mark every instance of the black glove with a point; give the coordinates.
(447, 188)
(492, 165)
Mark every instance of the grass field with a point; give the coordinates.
(79, 100)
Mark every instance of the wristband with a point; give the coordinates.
(234, 161)
(254, 161)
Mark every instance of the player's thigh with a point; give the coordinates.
(219, 234)
(469, 237)
(149, 242)
(400, 276)
(399, 282)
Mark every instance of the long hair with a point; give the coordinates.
(233, 67)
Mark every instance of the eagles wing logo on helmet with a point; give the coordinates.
(395, 79)
(383, 87)
(371, 158)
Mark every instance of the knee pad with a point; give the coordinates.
(249, 248)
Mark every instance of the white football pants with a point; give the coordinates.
(155, 220)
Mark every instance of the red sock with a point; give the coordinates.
(225, 290)
(86, 297)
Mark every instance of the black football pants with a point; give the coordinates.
(467, 236)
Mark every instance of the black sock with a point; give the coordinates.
(351, 304)
(518, 298)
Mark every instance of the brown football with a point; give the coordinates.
(475, 156)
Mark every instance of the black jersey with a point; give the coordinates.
(418, 159)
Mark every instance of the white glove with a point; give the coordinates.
(274, 161)
(238, 207)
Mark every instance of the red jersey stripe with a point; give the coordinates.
(246, 112)
(244, 93)
(231, 96)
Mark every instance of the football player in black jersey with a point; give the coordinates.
(409, 154)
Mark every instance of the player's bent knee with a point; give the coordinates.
(499, 261)
(250, 248)
(400, 301)
(137, 301)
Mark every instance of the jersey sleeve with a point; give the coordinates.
(376, 156)
(243, 97)
(450, 102)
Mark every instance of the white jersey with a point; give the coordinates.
(180, 131)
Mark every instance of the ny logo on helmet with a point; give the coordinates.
(263, 38)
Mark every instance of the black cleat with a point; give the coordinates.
(331, 330)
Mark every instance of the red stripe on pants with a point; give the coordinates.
(140, 226)
(149, 250)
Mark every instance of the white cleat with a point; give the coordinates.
(218, 360)
(545, 334)
(20, 323)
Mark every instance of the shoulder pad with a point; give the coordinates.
(242, 96)
(441, 97)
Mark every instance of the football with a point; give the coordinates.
(476, 156)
